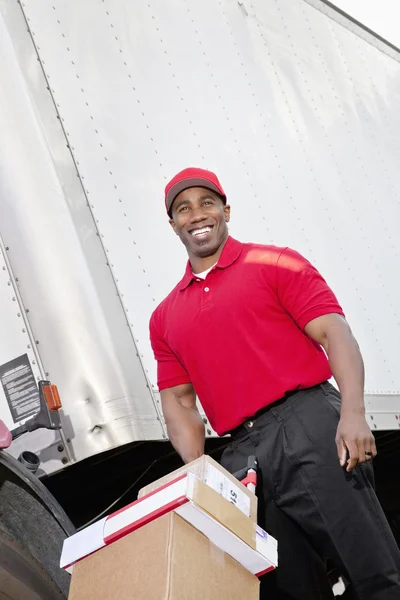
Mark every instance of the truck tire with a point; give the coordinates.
(21, 576)
(33, 527)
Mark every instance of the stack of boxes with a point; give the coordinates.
(190, 535)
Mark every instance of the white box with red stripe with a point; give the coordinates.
(227, 527)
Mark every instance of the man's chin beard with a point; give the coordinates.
(206, 253)
(203, 251)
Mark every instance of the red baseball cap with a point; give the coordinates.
(191, 177)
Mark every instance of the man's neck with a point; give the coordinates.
(201, 264)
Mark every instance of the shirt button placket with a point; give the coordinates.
(206, 297)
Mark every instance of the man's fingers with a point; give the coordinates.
(353, 455)
(359, 451)
(370, 449)
(373, 447)
(355, 441)
(342, 451)
(363, 451)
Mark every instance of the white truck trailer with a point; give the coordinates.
(291, 102)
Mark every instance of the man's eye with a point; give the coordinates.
(207, 202)
(183, 208)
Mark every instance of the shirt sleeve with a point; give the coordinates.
(170, 371)
(302, 290)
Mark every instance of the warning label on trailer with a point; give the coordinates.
(20, 388)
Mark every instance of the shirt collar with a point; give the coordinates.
(230, 253)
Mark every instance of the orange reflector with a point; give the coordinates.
(52, 397)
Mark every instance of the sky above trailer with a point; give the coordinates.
(382, 17)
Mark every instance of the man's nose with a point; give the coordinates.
(197, 215)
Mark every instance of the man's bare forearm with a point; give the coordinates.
(354, 440)
(185, 427)
(188, 436)
(347, 366)
(345, 360)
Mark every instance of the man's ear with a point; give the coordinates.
(173, 225)
(227, 212)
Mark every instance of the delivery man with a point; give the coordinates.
(255, 331)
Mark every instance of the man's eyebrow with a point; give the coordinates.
(180, 202)
(208, 195)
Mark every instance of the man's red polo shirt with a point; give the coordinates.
(238, 336)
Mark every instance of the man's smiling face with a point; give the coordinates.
(199, 218)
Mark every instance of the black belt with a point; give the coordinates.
(241, 429)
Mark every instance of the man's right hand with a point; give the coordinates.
(185, 427)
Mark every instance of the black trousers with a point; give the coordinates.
(316, 510)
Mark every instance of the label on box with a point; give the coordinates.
(224, 486)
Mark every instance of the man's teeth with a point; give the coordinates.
(201, 231)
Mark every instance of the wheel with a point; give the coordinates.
(21, 576)
(32, 531)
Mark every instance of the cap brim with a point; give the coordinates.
(188, 183)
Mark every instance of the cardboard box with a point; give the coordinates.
(215, 476)
(209, 512)
(167, 559)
